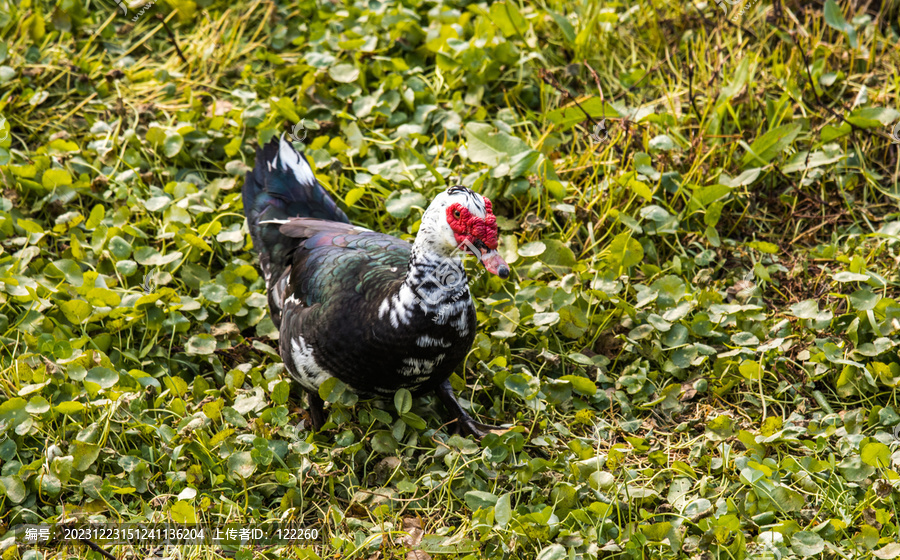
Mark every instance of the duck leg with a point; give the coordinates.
(316, 411)
(464, 423)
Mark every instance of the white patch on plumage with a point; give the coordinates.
(384, 307)
(436, 280)
(426, 341)
(305, 366)
(274, 221)
(418, 363)
(406, 297)
(462, 324)
(397, 313)
(417, 368)
(293, 161)
(455, 312)
(400, 306)
(457, 306)
(280, 287)
(421, 368)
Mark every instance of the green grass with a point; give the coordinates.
(697, 344)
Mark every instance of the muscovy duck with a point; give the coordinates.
(367, 308)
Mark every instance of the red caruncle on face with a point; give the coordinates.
(469, 227)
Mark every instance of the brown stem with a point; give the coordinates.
(172, 38)
(97, 548)
(549, 79)
(691, 91)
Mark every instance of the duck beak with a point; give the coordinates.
(494, 263)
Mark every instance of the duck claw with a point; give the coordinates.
(465, 425)
(469, 427)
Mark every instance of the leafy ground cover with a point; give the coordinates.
(697, 345)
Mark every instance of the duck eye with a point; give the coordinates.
(456, 214)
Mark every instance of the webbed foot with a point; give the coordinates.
(465, 424)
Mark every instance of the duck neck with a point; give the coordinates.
(436, 279)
